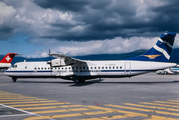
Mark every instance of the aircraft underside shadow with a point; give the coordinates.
(99, 81)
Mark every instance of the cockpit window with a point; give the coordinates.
(14, 66)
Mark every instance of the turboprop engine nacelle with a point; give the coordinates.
(57, 62)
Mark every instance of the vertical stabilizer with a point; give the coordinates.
(161, 51)
(8, 58)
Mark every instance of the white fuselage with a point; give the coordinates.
(88, 70)
(5, 65)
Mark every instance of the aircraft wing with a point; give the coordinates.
(66, 60)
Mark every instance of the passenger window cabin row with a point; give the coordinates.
(84, 68)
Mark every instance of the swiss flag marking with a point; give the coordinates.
(8, 58)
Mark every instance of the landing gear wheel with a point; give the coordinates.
(82, 81)
(14, 79)
(76, 81)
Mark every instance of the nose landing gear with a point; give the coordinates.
(14, 79)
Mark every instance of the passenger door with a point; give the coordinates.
(128, 68)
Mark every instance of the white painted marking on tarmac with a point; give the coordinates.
(28, 113)
(14, 115)
(17, 109)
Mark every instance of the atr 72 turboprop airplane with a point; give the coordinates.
(69, 68)
(6, 61)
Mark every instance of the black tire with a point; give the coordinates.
(76, 81)
(14, 79)
(82, 81)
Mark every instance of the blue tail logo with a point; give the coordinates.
(161, 51)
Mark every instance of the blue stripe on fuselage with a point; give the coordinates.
(28, 71)
(79, 72)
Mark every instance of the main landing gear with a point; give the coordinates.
(77, 81)
(14, 79)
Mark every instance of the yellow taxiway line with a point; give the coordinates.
(159, 104)
(29, 102)
(146, 110)
(155, 107)
(50, 107)
(62, 103)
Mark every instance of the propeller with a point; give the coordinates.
(50, 59)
